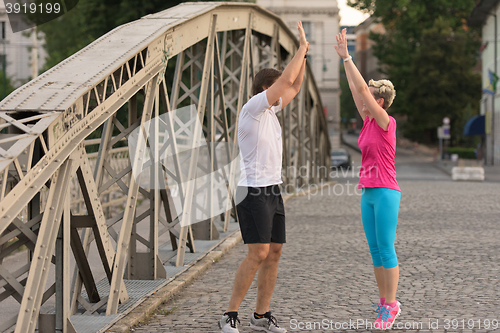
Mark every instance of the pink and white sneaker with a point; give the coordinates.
(387, 316)
(378, 306)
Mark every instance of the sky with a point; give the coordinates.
(349, 15)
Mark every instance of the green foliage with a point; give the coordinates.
(7, 85)
(347, 106)
(466, 153)
(428, 53)
(91, 19)
(101, 16)
(442, 82)
(65, 36)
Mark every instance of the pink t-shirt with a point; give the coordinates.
(378, 149)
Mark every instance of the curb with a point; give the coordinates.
(442, 169)
(355, 147)
(304, 193)
(151, 303)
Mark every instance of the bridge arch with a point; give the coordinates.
(65, 173)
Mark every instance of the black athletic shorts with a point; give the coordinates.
(261, 215)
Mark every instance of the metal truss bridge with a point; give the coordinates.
(66, 183)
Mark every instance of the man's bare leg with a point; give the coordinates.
(266, 279)
(257, 253)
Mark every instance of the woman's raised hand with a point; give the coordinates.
(341, 46)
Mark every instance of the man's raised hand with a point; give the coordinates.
(302, 36)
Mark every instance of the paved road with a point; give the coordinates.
(447, 244)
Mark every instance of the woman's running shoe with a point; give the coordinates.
(387, 316)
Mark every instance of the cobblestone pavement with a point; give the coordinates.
(448, 246)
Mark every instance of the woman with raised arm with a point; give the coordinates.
(381, 194)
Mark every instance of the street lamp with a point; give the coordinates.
(494, 92)
(4, 62)
(494, 95)
(4, 69)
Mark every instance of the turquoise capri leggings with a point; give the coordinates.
(379, 212)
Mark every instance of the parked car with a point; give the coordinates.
(341, 159)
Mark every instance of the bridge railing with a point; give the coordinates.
(66, 176)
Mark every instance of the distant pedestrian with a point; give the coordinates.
(381, 193)
(261, 214)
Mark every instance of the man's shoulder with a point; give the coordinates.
(258, 98)
(256, 105)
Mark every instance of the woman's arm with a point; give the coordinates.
(356, 80)
(357, 99)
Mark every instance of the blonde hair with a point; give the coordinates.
(383, 89)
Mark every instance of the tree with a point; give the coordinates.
(65, 36)
(89, 20)
(102, 16)
(442, 83)
(347, 107)
(423, 42)
(5, 86)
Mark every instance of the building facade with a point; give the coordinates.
(320, 19)
(19, 49)
(486, 15)
(367, 63)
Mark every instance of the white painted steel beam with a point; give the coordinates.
(217, 49)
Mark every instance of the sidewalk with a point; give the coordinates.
(491, 172)
(447, 245)
(351, 140)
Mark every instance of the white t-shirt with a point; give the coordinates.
(260, 143)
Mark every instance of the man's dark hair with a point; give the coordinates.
(264, 78)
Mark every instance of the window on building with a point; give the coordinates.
(2, 33)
